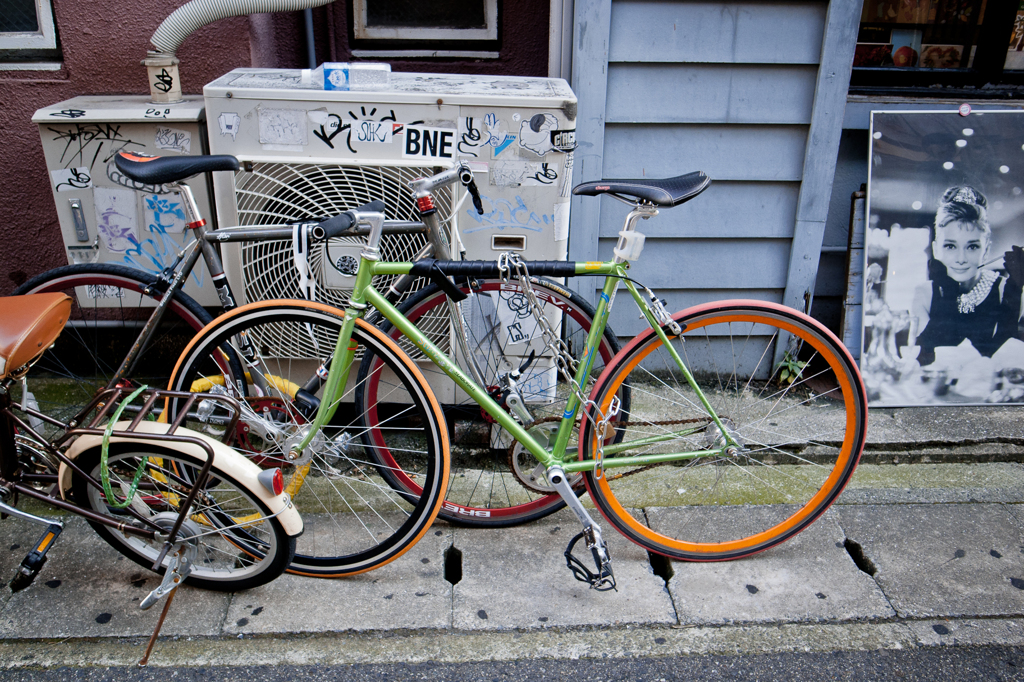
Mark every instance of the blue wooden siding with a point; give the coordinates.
(724, 32)
(733, 88)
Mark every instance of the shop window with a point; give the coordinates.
(26, 28)
(935, 45)
(408, 22)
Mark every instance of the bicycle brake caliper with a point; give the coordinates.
(662, 315)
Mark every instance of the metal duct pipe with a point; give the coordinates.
(162, 62)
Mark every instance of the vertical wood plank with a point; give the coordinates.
(853, 302)
(841, 28)
(592, 28)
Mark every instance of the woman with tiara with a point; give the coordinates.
(963, 300)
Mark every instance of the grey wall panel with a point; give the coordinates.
(703, 263)
(728, 32)
(725, 209)
(710, 93)
(724, 152)
(625, 322)
(591, 26)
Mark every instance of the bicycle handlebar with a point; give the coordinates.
(332, 227)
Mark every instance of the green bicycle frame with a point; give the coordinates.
(364, 294)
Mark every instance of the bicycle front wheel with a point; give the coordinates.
(353, 520)
(786, 392)
(239, 545)
(494, 483)
(110, 307)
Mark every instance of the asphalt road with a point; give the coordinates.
(932, 663)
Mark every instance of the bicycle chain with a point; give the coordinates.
(613, 424)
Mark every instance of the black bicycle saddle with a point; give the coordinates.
(668, 192)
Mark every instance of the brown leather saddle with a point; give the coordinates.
(28, 326)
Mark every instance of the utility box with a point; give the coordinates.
(106, 217)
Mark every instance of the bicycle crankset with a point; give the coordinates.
(527, 470)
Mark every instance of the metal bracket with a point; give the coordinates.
(179, 568)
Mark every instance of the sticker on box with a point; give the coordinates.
(428, 143)
(71, 179)
(173, 140)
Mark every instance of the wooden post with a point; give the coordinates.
(841, 26)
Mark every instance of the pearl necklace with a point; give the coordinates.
(967, 302)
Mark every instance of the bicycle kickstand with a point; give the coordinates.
(178, 569)
(603, 579)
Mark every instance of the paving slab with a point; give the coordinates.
(809, 578)
(952, 560)
(1017, 512)
(945, 426)
(968, 632)
(517, 578)
(935, 483)
(410, 592)
(88, 589)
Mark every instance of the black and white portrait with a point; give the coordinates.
(944, 267)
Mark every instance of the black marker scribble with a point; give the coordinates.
(470, 138)
(118, 177)
(545, 175)
(69, 113)
(90, 139)
(77, 180)
(164, 81)
(326, 136)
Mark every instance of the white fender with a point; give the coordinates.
(225, 459)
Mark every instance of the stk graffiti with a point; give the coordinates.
(329, 126)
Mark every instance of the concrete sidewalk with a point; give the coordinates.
(926, 547)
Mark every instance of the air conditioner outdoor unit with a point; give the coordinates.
(309, 153)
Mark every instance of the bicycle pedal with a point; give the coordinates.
(33, 562)
(603, 580)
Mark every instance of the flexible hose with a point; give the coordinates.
(195, 14)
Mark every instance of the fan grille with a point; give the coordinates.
(278, 193)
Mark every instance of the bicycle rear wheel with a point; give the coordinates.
(785, 388)
(492, 486)
(110, 306)
(354, 521)
(239, 544)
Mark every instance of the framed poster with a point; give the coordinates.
(944, 268)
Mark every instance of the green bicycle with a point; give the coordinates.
(718, 432)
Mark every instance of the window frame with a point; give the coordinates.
(412, 33)
(43, 39)
(987, 69)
